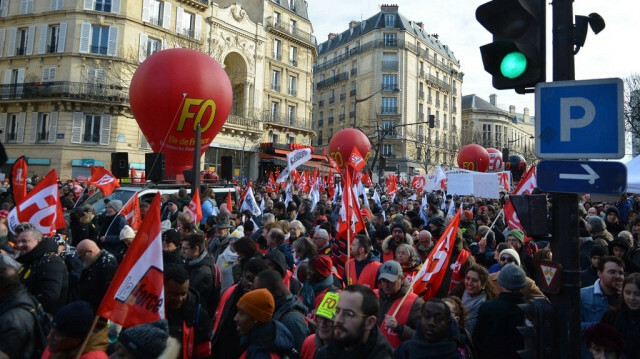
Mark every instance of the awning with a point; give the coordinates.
(282, 161)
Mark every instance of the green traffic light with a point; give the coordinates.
(513, 65)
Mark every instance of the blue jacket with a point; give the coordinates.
(593, 305)
(271, 337)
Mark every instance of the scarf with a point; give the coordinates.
(308, 292)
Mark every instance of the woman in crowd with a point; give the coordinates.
(409, 259)
(626, 316)
(304, 249)
(472, 293)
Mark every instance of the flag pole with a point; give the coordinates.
(80, 196)
(89, 335)
(413, 281)
(114, 217)
(494, 222)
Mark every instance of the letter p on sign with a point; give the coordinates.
(567, 122)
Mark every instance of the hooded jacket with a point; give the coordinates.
(17, 324)
(202, 277)
(418, 348)
(270, 338)
(389, 245)
(194, 317)
(291, 313)
(225, 263)
(45, 275)
(294, 285)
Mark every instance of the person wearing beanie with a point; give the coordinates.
(320, 280)
(604, 341)
(398, 236)
(494, 288)
(99, 268)
(379, 236)
(112, 225)
(69, 327)
(612, 221)
(516, 239)
(261, 337)
(172, 248)
(590, 275)
(496, 334)
(147, 341)
(467, 226)
(226, 340)
(436, 227)
(619, 248)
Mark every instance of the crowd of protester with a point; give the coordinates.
(278, 285)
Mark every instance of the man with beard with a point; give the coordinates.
(226, 340)
(436, 227)
(604, 293)
(99, 268)
(398, 236)
(355, 328)
(43, 272)
(187, 316)
(425, 244)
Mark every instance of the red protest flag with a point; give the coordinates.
(77, 189)
(428, 281)
(131, 212)
(392, 189)
(136, 294)
(104, 180)
(195, 208)
(366, 179)
(356, 161)
(229, 202)
(271, 183)
(41, 207)
(244, 193)
(527, 184)
(350, 218)
(19, 179)
(331, 184)
(419, 182)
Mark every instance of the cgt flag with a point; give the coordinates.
(195, 208)
(427, 282)
(104, 180)
(19, 179)
(131, 212)
(41, 207)
(136, 294)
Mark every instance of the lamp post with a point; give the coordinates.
(396, 89)
(505, 151)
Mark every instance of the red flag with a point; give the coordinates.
(331, 184)
(77, 189)
(41, 207)
(350, 218)
(244, 193)
(229, 203)
(404, 183)
(418, 182)
(427, 282)
(136, 294)
(527, 185)
(19, 179)
(131, 212)
(392, 189)
(295, 176)
(367, 180)
(195, 208)
(271, 183)
(356, 161)
(104, 180)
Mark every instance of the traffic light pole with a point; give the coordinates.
(565, 243)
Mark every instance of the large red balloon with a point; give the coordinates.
(343, 142)
(495, 160)
(171, 93)
(474, 158)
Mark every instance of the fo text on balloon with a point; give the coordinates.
(190, 111)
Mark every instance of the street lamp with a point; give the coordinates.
(505, 151)
(358, 100)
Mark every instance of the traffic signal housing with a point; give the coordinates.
(516, 57)
(537, 329)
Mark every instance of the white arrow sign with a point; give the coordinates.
(592, 176)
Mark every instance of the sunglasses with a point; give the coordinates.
(507, 259)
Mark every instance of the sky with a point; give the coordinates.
(604, 55)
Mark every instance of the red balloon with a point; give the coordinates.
(495, 160)
(343, 142)
(171, 93)
(474, 158)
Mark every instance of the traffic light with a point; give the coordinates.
(537, 329)
(516, 57)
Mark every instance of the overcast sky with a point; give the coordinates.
(612, 53)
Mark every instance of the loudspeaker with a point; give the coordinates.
(154, 166)
(120, 164)
(226, 164)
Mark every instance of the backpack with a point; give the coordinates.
(41, 327)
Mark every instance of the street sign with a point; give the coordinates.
(580, 119)
(598, 177)
(549, 278)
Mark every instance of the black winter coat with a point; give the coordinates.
(193, 316)
(376, 347)
(112, 241)
(202, 277)
(17, 324)
(496, 335)
(96, 279)
(45, 275)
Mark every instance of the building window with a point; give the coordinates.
(390, 39)
(156, 12)
(291, 139)
(277, 49)
(274, 138)
(293, 85)
(486, 135)
(26, 6)
(275, 80)
(99, 39)
(293, 55)
(389, 105)
(102, 5)
(275, 110)
(22, 40)
(42, 134)
(389, 82)
(321, 118)
(330, 135)
(498, 136)
(188, 24)
(153, 46)
(390, 20)
(292, 5)
(387, 150)
(91, 129)
(276, 18)
(388, 128)
(12, 128)
(293, 25)
(319, 140)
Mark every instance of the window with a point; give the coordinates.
(188, 24)
(274, 138)
(321, 118)
(275, 80)
(387, 150)
(12, 128)
(330, 135)
(292, 5)
(293, 85)
(291, 139)
(389, 105)
(103, 5)
(389, 82)
(42, 134)
(499, 136)
(390, 20)
(274, 110)
(91, 129)
(388, 128)
(331, 116)
(293, 25)
(277, 49)
(293, 55)
(390, 40)
(49, 74)
(343, 113)
(26, 6)
(52, 38)
(292, 115)
(157, 12)
(99, 39)
(319, 140)
(22, 40)
(276, 18)
(153, 46)
(486, 135)
(389, 61)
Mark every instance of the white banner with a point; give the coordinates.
(294, 159)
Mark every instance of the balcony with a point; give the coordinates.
(389, 110)
(293, 92)
(332, 80)
(275, 87)
(342, 117)
(21, 50)
(354, 71)
(332, 99)
(352, 114)
(198, 4)
(331, 120)
(287, 120)
(390, 65)
(421, 95)
(343, 96)
(352, 93)
(246, 122)
(321, 103)
(65, 89)
(429, 100)
(321, 122)
(285, 29)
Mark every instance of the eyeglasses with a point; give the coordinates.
(347, 314)
(25, 226)
(507, 259)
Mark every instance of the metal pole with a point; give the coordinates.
(565, 243)
(195, 179)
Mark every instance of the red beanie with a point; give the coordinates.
(322, 264)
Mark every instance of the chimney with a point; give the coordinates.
(436, 36)
(353, 23)
(332, 35)
(421, 24)
(493, 99)
(512, 109)
(526, 115)
(389, 7)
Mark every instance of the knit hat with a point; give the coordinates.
(619, 242)
(74, 319)
(468, 214)
(614, 210)
(115, 204)
(322, 264)
(382, 232)
(512, 253)
(390, 270)
(599, 250)
(127, 233)
(258, 304)
(171, 236)
(146, 341)
(399, 225)
(437, 221)
(518, 234)
(604, 335)
(512, 277)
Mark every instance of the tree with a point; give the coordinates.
(632, 107)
